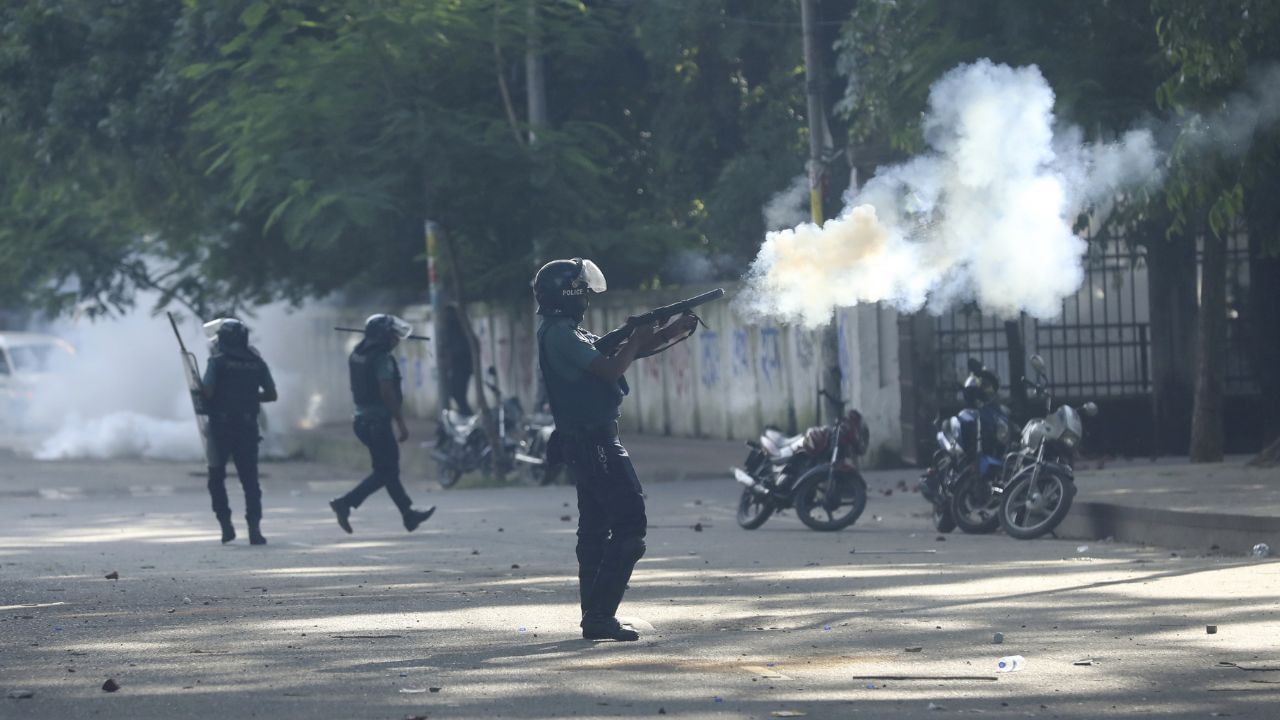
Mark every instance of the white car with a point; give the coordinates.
(26, 359)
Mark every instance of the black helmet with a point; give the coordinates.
(229, 333)
(383, 328)
(981, 386)
(563, 287)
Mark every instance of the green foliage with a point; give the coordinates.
(1212, 48)
(1099, 57)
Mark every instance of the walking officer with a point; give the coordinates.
(375, 387)
(236, 382)
(585, 389)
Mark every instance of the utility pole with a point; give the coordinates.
(535, 75)
(439, 324)
(814, 83)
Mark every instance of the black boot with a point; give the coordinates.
(255, 532)
(228, 530)
(343, 511)
(414, 518)
(606, 628)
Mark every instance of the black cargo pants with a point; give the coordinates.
(235, 438)
(611, 515)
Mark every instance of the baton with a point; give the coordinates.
(407, 337)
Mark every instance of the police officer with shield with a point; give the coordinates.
(585, 389)
(375, 387)
(236, 382)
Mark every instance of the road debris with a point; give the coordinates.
(566, 518)
(1010, 663)
(697, 527)
(928, 678)
(997, 639)
(412, 691)
(913, 649)
(787, 713)
(1082, 548)
(1086, 662)
(1210, 629)
(1261, 550)
(113, 575)
(935, 706)
(110, 685)
(20, 694)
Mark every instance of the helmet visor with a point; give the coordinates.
(592, 276)
(401, 328)
(212, 327)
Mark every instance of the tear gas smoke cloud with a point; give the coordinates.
(123, 393)
(789, 207)
(986, 214)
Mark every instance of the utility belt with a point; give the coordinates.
(566, 442)
(234, 417)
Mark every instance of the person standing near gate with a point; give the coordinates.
(585, 389)
(236, 382)
(375, 387)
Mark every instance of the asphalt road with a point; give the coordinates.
(474, 615)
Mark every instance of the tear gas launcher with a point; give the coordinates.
(608, 344)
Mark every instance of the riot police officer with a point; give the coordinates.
(585, 389)
(375, 387)
(236, 382)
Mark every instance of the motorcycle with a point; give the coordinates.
(462, 445)
(816, 472)
(1041, 481)
(967, 468)
(531, 453)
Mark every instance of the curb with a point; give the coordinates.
(1228, 533)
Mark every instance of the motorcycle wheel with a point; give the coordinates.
(542, 475)
(944, 521)
(1029, 512)
(975, 508)
(812, 504)
(753, 510)
(448, 473)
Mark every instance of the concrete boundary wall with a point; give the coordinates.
(726, 382)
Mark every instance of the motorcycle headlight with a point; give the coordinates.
(1069, 438)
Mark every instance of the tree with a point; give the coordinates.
(1216, 179)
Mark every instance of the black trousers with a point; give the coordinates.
(611, 517)
(234, 439)
(384, 452)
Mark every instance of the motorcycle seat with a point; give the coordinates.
(779, 446)
(458, 420)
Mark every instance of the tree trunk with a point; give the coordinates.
(1260, 319)
(488, 418)
(1207, 434)
(1270, 457)
(1171, 293)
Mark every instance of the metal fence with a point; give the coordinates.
(1099, 346)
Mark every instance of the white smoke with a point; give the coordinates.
(789, 207)
(1255, 108)
(123, 393)
(985, 215)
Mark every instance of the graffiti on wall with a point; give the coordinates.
(770, 356)
(710, 375)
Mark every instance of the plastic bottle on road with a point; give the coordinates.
(1010, 663)
(1261, 550)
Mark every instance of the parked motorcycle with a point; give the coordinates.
(1041, 481)
(462, 445)
(816, 472)
(967, 468)
(531, 453)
